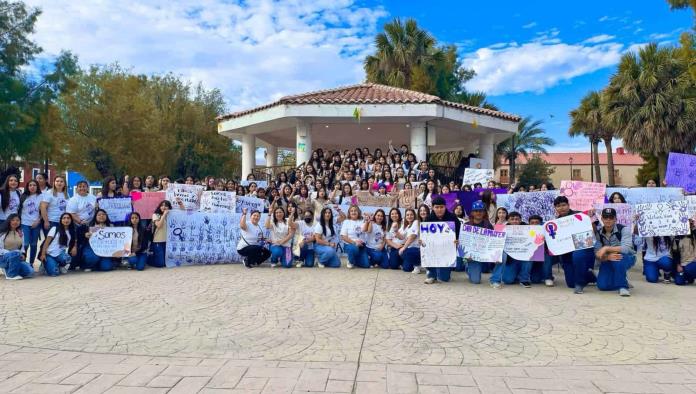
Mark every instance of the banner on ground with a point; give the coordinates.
(189, 195)
(477, 175)
(111, 241)
(195, 238)
(118, 208)
(250, 203)
(482, 244)
(438, 248)
(569, 233)
(525, 243)
(145, 203)
(219, 201)
(367, 199)
(533, 203)
(663, 219)
(582, 196)
(681, 171)
(624, 213)
(644, 195)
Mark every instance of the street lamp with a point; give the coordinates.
(570, 161)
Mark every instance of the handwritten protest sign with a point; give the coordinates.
(691, 206)
(111, 241)
(533, 203)
(407, 198)
(203, 238)
(438, 248)
(189, 195)
(624, 213)
(477, 163)
(117, 208)
(583, 195)
(250, 203)
(644, 195)
(681, 171)
(145, 203)
(476, 175)
(569, 233)
(218, 201)
(663, 219)
(525, 243)
(481, 244)
(263, 184)
(366, 198)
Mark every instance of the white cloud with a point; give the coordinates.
(254, 51)
(599, 38)
(529, 25)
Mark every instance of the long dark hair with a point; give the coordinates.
(275, 221)
(384, 222)
(165, 202)
(130, 184)
(5, 228)
(93, 223)
(26, 194)
(5, 191)
(665, 239)
(323, 223)
(140, 230)
(391, 222)
(611, 198)
(105, 187)
(62, 233)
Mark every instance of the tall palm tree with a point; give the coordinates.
(530, 138)
(586, 120)
(651, 102)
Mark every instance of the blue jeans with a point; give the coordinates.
(138, 260)
(53, 264)
(613, 274)
(159, 250)
(516, 271)
(94, 262)
(410, 259)
(497, 273)
(461, 265)
(14, 265)
(357, 255)
(443, 274)
(474, 270)
(307, 256)
(378, 257)
(395, 259)
(651, 269)
(543, 270)
(687, 276)
(31, 239)
(327, 256)
(278, 255)
(576, 267)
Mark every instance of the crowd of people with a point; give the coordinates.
(42, 224)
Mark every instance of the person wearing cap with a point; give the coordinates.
(614, 251)
(577, 264)
(440, 213)
(512, 270)
(478, 218)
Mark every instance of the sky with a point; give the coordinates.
(532, 58)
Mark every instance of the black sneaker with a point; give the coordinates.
(526, 284)
(245, 261)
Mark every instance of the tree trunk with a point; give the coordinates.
(595, 155)
(610, 162)
(661, 168)
(511, 179)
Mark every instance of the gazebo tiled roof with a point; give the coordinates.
(369, 93)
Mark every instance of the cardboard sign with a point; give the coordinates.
(111, 241)
(145, 203)
(407, 198)
(473, 176)
(438, 248)
(583, 195)
(525, 243)
(681, 171)
(481, 244)
(569, 233)
(189, 195)
(118, 208)
(366, 198)
(218, 201)
(663, 219)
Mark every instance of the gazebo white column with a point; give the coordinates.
(248, 154)
(271, 155)
(303, 146)
(486, 149)
(418, 140)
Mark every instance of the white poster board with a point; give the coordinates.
(438, 248)
(249, 203)
(189, 195)
(569, 233)
(525, 243)
(662, 219)
(218, 201)
(475, 175)
(111, 241)
(118, 208)
(644, 195)
(482, 244)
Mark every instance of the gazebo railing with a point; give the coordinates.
(269, 174)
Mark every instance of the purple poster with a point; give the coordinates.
(681, 171)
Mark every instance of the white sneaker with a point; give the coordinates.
(87, 270)
(273, 265)
(349, 266)
(321, 265)
(430, 281)
(298, 265)
(416, 270)
(63, 270)
(67, 266)
(14, 278)
(624, 292)
(549, 283)
(496, 285)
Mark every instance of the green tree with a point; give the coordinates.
(530, 138)
(648, 170)
(536, 171)
(651, 103)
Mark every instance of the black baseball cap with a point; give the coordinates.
(609, 213)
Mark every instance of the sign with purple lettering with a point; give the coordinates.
(663, 219)
(681, 171)
(437, 244)
(569, 233)
(111, 241)
(482, 244)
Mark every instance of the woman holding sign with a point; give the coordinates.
(91, 260)
(353, 238)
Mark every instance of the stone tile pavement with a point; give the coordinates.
(221, 329)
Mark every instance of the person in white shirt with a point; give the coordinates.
(409, 251)
(252, 240)
(281, 235)
(81, 207)
(658, 256)
(59, 247)
(9, 197)
(326, 239)
(394, 239)
(12, 256)
(53, 203)
(376, 230)
(31, 220)
(303, 247)
(354, 238)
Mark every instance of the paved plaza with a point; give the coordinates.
(226, 329)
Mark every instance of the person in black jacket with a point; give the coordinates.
(577, 265)
(440, 213)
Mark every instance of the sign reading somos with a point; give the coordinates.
(111, 241)
(437, 244)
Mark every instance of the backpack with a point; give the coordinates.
(619, 227)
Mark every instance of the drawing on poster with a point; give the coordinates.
(189, 195)
(145, 203)
(624, 213)
(681, 171)
(569, 233)
(438, 248)
(482, 244)
(524, 243)
(473, 176)
(644, 195)
(583, 195)
(533, 203)
(662, 219)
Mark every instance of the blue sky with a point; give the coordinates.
(532, 58)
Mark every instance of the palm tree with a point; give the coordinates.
(651, 102)
(530, 138)
(586, 120)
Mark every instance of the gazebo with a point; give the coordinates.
(366, 115)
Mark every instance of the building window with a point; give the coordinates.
(577, 174)
(35, 172)
(503, 173)
(616, 174)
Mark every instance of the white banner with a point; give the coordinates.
(218, 201)
(569, 233)
(663, 219)
(691, 206)
(111, 241)
(189, 195)
(438, 248)
(118, 208)
(476, 175)
(644, 195)
(250, 203)
(481, 244)
(525, 243)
